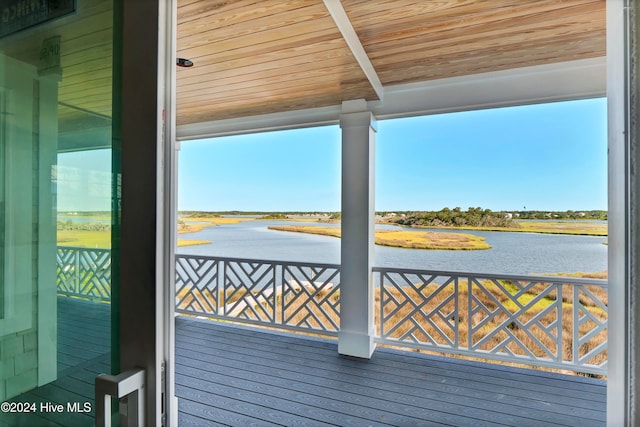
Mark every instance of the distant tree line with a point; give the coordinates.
(70, 225)
(474, 217)
(197, 214)
(85, 213)
(479, 217)
(281, 214)
(275, 216)
(591, 215)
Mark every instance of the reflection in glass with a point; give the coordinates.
(55, 209)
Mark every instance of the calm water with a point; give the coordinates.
(514, 253)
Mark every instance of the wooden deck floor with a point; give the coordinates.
(230, 375)
(84, 332)
(241, 376)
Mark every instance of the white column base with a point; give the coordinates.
(356, 344)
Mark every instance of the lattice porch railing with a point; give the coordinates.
(537, 320)
(84, 273)
(299, 296)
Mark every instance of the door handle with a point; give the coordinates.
(128, 384)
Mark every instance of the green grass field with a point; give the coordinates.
(83, 238)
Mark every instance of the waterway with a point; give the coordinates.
(511, 253)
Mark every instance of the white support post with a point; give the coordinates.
(357, 327)
(623, 321)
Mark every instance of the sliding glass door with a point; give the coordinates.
(56, 208)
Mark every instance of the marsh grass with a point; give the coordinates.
(102, 239)
(193, 224)
(191, 242)
(559, 227)
(542, 227)
(404, 238)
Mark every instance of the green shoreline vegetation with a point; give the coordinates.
(569, 222)
(542, 227)
(473, 219)
(95, 232)
(403, 239)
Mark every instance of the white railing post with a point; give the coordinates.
(357, 328)
(76, 265)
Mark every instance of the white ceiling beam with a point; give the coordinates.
(560, 81)
(563, 81)
(349, 34)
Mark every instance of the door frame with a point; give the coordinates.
(147, 240)
(147, 245)
(623, 385)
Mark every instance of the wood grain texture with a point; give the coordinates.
(270, 56)
(428, 40)
(256, 58)
(263, 56)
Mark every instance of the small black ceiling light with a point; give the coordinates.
(184, 62)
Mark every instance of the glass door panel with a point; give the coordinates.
(56, 71)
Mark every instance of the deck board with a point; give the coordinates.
(245, 376)
(297, 405)
(336, 388)
(84, 334)
(483, 374)
(425, 390)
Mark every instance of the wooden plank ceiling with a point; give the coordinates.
(263, 56)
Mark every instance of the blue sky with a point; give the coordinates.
(544, 157)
